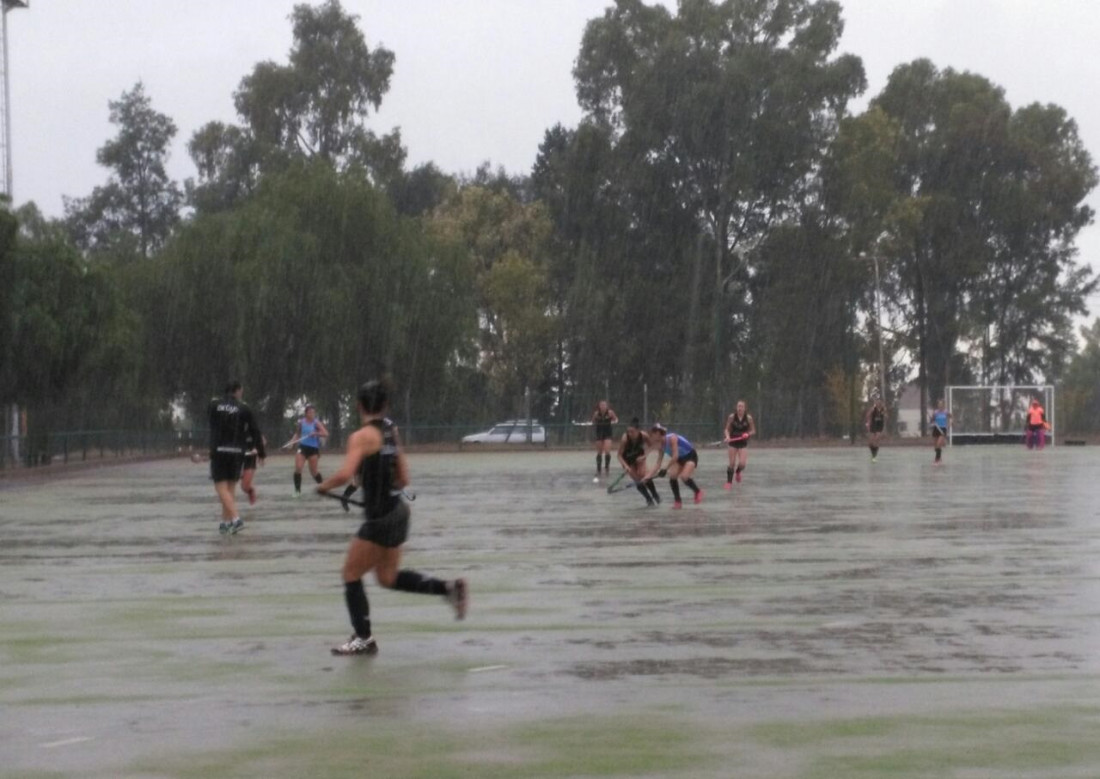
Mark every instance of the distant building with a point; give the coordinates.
(910, 412)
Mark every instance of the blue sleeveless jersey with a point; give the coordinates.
(309, 434)
(684, 446)
(939, 419)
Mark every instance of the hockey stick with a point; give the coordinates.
(742, 437)
(406, 494)
(618, 485)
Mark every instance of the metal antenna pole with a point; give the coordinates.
(5, 139)
(5, 108)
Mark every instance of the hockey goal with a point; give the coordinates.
(996, 414)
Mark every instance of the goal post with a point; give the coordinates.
(991, 414)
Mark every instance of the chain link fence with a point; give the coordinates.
(30, 451)
(97, 445)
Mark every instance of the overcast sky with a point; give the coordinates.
(474, 80)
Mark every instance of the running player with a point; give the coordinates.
(875, 422)
(374, 454)
(941, 418)
(1037, 426)
(739, 427)
(308, 434)
(684, 459)
(603, 418)
(231, 424)
(632, 456)
(249, 469)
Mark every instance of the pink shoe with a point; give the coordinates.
(677, 505)
(737, 476)
(699, 497)
(727, 486)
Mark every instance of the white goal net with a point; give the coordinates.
(996, 414)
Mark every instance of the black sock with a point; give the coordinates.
(729, 475)
(411, 581)
(675, 489)
(297, 482)
(358, 608)
(939, 454)
(874, 451)
(597, 465)
(645, 493)
(691, 483)
(317, 477)
(653, 490)
(607, 463)
(739, 468)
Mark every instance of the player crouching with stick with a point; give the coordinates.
(684, 459)
(375, 455)
(632, 456)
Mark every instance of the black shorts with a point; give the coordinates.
(739, 444)
(877, 427)
(389, 530)
(938, 432)
(603, 432)
(226, 466)
(688, 458)
(308, 451)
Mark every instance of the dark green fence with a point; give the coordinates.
(89, 445)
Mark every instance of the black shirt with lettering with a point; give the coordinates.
(232, 426)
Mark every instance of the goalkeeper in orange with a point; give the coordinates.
(1037, 425)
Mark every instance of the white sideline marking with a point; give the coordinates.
(65, 742)
(485, 668)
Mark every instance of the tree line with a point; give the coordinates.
(710, 230)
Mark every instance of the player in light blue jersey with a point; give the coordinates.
(308, 435)
(941, 419)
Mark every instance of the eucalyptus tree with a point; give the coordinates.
(986, 205)
(135, 212)
(1079, 393)
(1022, 307)
(620, 244)
(735, 101)
(315, 106)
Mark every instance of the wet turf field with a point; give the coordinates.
(829, 617)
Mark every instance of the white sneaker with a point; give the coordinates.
(357, 646)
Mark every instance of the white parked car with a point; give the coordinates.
(512, 431)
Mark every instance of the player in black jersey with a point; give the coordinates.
(739, 428)
(231, 427)
(875, 422)
(602, 419)
(632, 456)
(374, 453)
